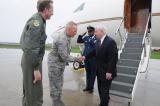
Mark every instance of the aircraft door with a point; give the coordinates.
(136, 13)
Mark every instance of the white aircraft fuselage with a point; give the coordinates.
(110, 13)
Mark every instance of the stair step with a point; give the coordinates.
(125, 79)
(133, 42)
(130, 56)
(121, 88)
(130, 63)
(121, 94)
(135, 39)
(135, 34)
(133, 45)
(132, 50)
(126, 75)
(126, 70)
(121, 83)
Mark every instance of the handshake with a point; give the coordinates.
(81, 58)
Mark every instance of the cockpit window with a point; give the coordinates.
(80, 8)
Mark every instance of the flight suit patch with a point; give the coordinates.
(36, 23)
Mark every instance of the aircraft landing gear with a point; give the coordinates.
(77, 65)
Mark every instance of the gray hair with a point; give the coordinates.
(71, 24)
(102, 28)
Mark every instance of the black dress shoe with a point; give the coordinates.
(90, 91)
(85, 90)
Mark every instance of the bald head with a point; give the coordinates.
(71, 29)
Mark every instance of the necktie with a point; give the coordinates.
(98, 45)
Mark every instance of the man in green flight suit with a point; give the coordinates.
(33, 45)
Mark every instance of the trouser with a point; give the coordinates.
(32, 93)
(103, 89)
(90, 67)
(56, 83)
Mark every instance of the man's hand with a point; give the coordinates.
(37, 76)
(108, 76)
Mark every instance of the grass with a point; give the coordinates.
(155, 55)
(75, 50)
(48, 47)
(10, 46)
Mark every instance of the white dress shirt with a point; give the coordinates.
(102, 39)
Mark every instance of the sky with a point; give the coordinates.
(15, 13)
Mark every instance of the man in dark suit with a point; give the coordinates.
(106, 57)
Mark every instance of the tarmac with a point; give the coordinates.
(147, 91)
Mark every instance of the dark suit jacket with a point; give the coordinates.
(106, 58)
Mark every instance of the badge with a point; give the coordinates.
(36, 23)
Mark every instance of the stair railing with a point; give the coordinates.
(146, 36)
(118, 31)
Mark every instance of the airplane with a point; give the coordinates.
(110, 14)
(134, 24)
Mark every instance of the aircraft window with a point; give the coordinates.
(80, 8)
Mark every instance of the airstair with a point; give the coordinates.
(133, 60)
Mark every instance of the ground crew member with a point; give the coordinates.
(33, 45)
